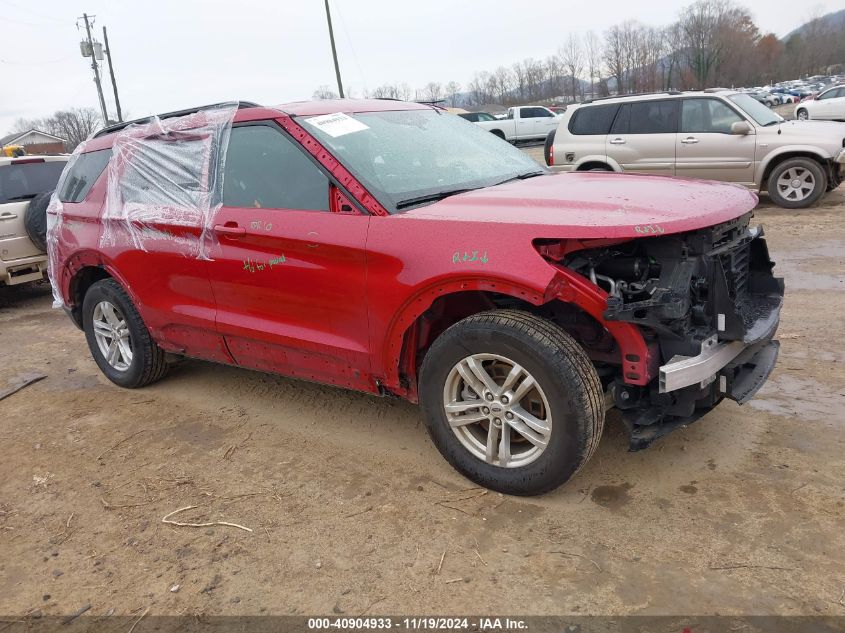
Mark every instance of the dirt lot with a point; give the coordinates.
(353, 511)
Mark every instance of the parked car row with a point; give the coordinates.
(727, 136)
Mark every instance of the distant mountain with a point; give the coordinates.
(835, 20)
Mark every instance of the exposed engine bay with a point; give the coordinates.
(709, 300)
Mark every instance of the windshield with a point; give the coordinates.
(20, 181)
(407, 155)
(756, 110)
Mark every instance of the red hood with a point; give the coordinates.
(597, 205)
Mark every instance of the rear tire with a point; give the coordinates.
(498, 133)
(564, 402)
(797, 183)
(547, 146)
(35, 220)
(113, 324)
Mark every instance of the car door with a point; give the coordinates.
(642, 137)
(830, 104)
(707, 149)
(544, 121)
(288, 274)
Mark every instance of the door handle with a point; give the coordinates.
(617, 141)
(690, 140)
(8, 216)
(230, 229)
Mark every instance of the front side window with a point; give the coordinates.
(707, 116)
(592, 120)
(266, 170)
(761, 114)
(539, 112)
(411, 157)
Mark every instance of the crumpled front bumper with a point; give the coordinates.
(740, 368)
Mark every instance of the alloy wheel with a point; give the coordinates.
(497, 410)
(111, 331)
(796, 184)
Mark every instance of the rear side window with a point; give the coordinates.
(84, 172)
(593, 119)
(264, 169)
(470, 116)
(21, 181)
(653, 117)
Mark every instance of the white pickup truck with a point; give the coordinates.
(523, 123)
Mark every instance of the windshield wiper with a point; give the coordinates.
(529, 174)
(431, 197)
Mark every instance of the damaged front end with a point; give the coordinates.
(710, 300)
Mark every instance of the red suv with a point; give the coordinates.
(396, 249)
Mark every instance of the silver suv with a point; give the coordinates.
(724, 135)
(26, 184)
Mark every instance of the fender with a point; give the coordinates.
(596, 158)
(89, 258)
(812, 150)
(640, 360)
(422, 300)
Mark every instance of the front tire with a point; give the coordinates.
(803, 115)
(511, 401)
(118, 339)
(797, 183)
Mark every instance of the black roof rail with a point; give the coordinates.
(169, 115)
(634, 94)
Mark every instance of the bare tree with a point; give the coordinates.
(592, 54)
(501, 84)
(614, 56)
(701, 23)
(392, 91)
(452, 89)
(432, 91)
(324, 92)
(74, 125)
(572, 56)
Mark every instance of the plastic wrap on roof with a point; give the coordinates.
(165, 180)
(56, 228)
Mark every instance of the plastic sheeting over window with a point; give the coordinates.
(165, 182)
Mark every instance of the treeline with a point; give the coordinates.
(712, 43)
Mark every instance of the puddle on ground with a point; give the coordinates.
(817, 267)
(612, 497)
(801, 397)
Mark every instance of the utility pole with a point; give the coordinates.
(111, 72)
(334, 51)
(96, 70)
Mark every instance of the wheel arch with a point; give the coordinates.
(774, 160)
(433, 309)
(81, 271)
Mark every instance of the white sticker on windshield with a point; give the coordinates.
(337, 124)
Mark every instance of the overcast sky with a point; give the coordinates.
(172, 55)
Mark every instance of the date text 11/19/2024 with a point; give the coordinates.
(419, 623)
